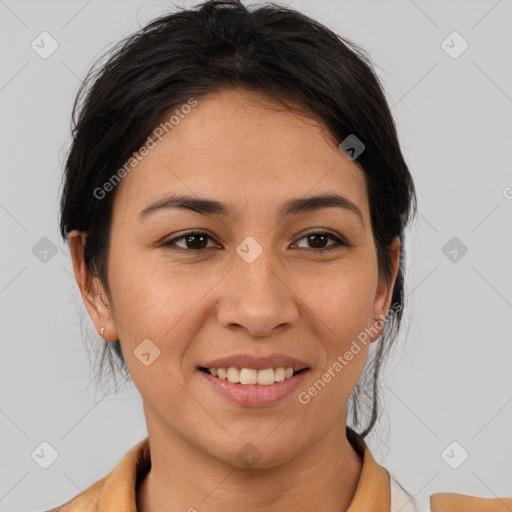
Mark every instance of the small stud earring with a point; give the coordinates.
(102, 330)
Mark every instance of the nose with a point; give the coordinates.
(257, 297)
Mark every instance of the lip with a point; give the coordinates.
(254, 395)
(274, 360)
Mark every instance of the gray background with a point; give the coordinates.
(449, 378)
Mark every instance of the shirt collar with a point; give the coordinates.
(372, 491)
(117, 491)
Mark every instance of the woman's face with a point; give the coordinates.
(257, 285)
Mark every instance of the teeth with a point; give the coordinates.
(264, 377)
(280, 374)
(233, 375)
(248, 376)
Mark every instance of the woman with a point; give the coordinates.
(235, 201)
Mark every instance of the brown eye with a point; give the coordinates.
(318, 240)
(194, 241)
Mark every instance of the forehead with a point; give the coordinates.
(244, 149)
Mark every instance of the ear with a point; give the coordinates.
(384, 292)
(91, 289)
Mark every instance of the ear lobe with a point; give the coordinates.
(91, 288)
(384, 293)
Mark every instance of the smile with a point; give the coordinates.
(252, 388)
(247, 376)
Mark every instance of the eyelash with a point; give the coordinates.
(338, 245)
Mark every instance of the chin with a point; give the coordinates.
(257, 452)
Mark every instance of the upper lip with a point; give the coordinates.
(256, 362)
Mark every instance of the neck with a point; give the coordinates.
(184, 477)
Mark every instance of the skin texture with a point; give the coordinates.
(238, 147)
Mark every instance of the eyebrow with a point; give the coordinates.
(206, 206)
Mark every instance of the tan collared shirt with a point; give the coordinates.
(376, 491)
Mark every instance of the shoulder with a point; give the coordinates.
(451, 502)
(403, 501)
(115, 490)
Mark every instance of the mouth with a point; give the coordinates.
(253, 376)
(249, 387)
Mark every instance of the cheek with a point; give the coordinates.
(150, 295)
(343, 300)
(342, 309)
(163, 302)
(156, 306)
(150, 303)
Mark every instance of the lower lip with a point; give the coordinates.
(254, 395)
